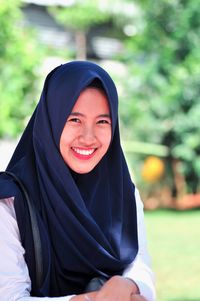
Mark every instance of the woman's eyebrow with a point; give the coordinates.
(104, 115)
(99, 116)
(75, 114)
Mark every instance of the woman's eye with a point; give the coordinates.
(76, 120)
(104, 121)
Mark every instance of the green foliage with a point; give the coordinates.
(18, 61)
(165, 82)
(80, 16)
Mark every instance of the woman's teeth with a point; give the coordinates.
(83, 151)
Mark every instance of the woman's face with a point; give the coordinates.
(87, 133)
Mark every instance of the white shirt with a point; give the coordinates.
(15, 283)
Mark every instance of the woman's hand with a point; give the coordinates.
(117, 288)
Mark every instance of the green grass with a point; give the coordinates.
(174, 245)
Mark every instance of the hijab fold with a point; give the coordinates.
(87, 222)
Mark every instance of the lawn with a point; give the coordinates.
(174, 244)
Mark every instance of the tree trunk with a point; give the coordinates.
(81, 45)
(179, 179)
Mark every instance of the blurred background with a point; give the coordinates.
(151, 49)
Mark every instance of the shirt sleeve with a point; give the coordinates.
(15, 283)
(140, 269)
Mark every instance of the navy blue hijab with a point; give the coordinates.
(87, 222)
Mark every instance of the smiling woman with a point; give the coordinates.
(89, 213)
(87, 133)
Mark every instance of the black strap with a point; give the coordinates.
(35, 229)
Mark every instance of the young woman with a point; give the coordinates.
(89, 213)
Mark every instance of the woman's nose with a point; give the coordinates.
(87, 135)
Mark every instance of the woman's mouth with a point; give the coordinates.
(83, 153)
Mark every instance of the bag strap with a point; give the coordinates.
(34, 226)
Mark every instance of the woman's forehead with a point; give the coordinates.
(92, 100)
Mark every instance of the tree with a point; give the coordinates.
(18, 62)
(82, 16)
(79, 17)
(165, 82)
